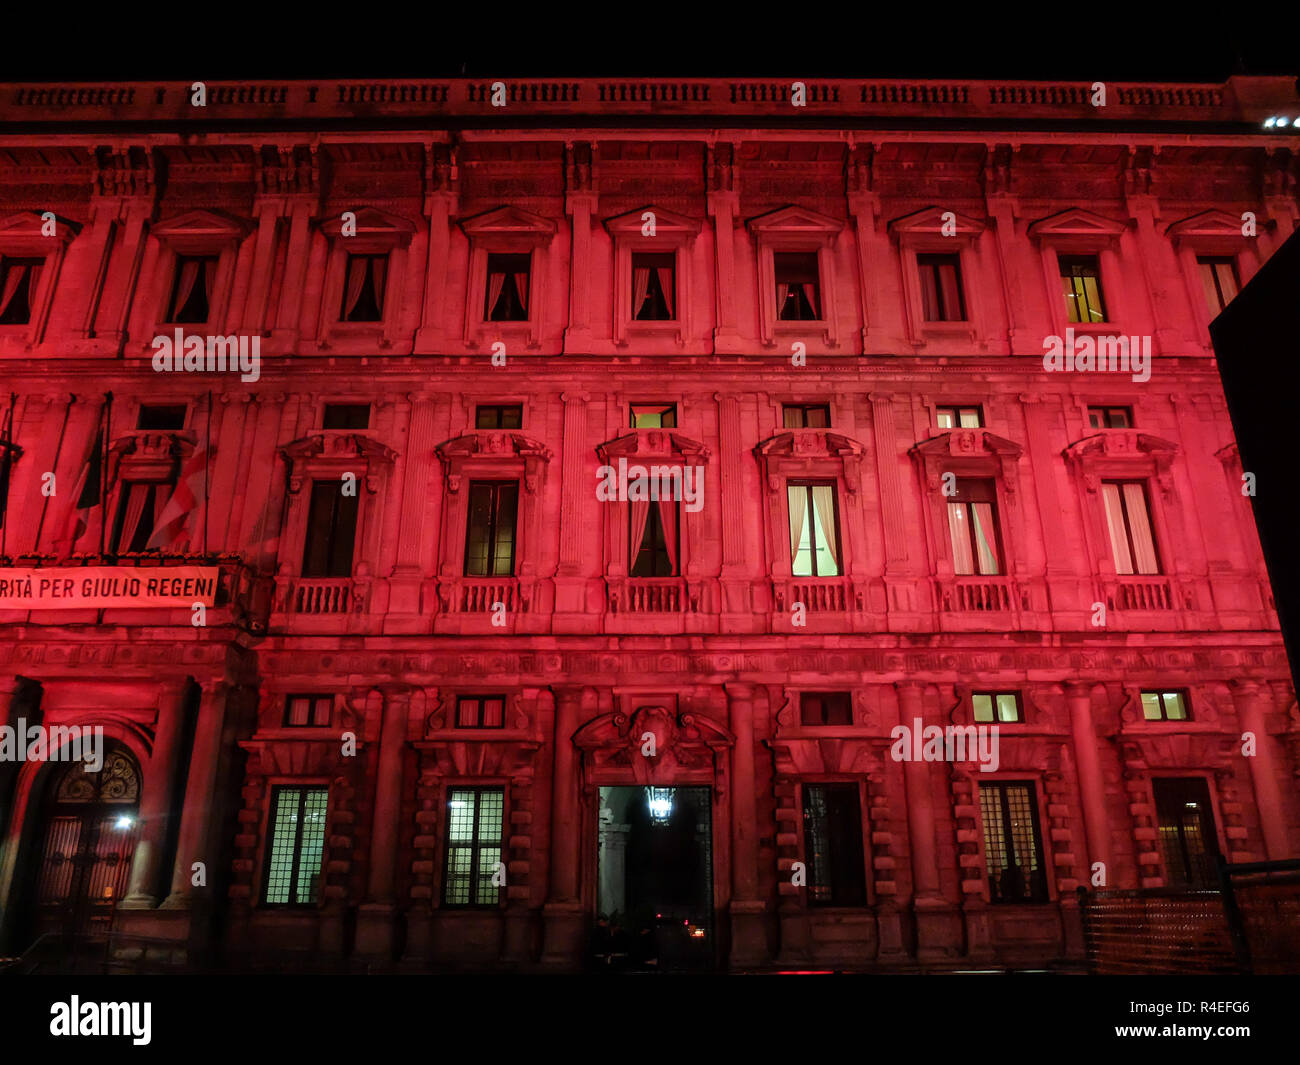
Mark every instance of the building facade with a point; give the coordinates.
(482, 514)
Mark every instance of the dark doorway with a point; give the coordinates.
(1187, 837)
(86, 839)
(655, 878)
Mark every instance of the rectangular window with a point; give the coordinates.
(192, 289)
(481, 711)
(798, 289)
(506, 299)
(1081, 280)
(941, 295)
(346, 416)
(499, 416)
(1110, 417)
(654, 287)
(832, 840)
(973, 528)
(1013, 846)
(654, 415)
(959, 417)
(1219, 277)
(139, 506)
(1165, 706)
(1129, 520)
(331, 531)
(490, 532)
(806, 416)
(160, 419)
(652, 538)
(297, 846)
(475, 820)
(814, 530)
(18, 281)
(363, 288)
(996, 707)
(825, 708)
(1187, 837)
(308, 711)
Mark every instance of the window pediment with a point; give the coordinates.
(376, 230)
(149, 456)
(328, 453)
(201, 230)
(646, 444)
(668, 224)
(1077, 227)
(810, 453)
(969, 453)
(492, 451)
(1211, 225)
(927, 225)
(1122, 453)
(508, 227)
(794, 222)
(21, 233)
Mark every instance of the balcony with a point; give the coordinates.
(819, 595)
(977, 595)
(1139, 593)
(480, 595)
(315, 595)
(648, 595)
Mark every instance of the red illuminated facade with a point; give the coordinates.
(411, 730)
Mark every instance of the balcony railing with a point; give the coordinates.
(479, 595)
(1139, 593)
(317, 595)
(647, 595)
(976, 595)
(819, 595)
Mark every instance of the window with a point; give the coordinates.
(806, 416)
(996, 706)
(652, 536)
(814, 538)
(972, 524)
(18, 281)
(481, 711)
(498, 416)
(192, 288)
(475, 818)
(331, 531)
(1013, 846)
(825, 708)
(363, 288)
(832, 840)
(1219, 276)
(346, 416)
(1110, 417)
(941, 296)
(139, 506)
(507, 288)
(654, 416)
(293, 862)
(959, 417)
(168, 419)
(653, 284)
(1165, 706)
(798, 292)
(490, 536)
(1187, 835)
(1129, 520)
(1081, 279)
(308, 711)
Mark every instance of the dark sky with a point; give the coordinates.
(1079, 41)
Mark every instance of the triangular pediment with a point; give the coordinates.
(217, 226)
(794, 220)
(1076, 222)
(645, 444)
(507, 222)
(24, 228)
(1213, 223)
(371, 222)
(667, 223)
(930, 222)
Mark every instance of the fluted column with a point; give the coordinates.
(157, 799)
(1249, 700)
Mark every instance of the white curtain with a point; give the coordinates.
(640, 286)
(1115, 525)
(1144, 547)
(962, 561)
(638, 512)
(496, 282)
(985, 538)
(823, 496)
(797, 496)
(356, 278)
(137, 496)
(668, 519)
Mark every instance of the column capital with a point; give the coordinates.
(739, 690)
(1077, 689)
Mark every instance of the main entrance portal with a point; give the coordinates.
(655, 877)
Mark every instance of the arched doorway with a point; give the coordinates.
(86, 837)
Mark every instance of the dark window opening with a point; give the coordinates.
(941, 295)
(499, 416)
(331, 531)
(655, 552)
(825, 708)
(363, 288)
(833, 852)
(798, 286)
(1013, 846)
(308, 711)
(653, 287)
(1110, 417)
(192, 289)
(481, 711)
(506, 299)
(1187, 836)
(490, 532)
(18, 281)
(806, 416)
(346, 416)
(167, 419)
(139, 506)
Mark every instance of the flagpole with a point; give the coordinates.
(207, 467)
(103, 470)
(58, 450)
(6, 462)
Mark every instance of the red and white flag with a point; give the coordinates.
(186, 498)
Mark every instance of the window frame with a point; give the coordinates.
(500, 409)
(821, 696)
(994, 695)
(803, 409)
(495, 486)
(317, 700)
(1106, 411)
(479, 698)
(796, 229)
(1001, 784)
(22, 237)
(666, 408)
(330, 536)
(995, 513)
(1159, 694)
(506, 230)
(475, 846)
(274, 790)
(957, 411)
(857, 860)
(1122, 482)
(673, 234)
(811, 526)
